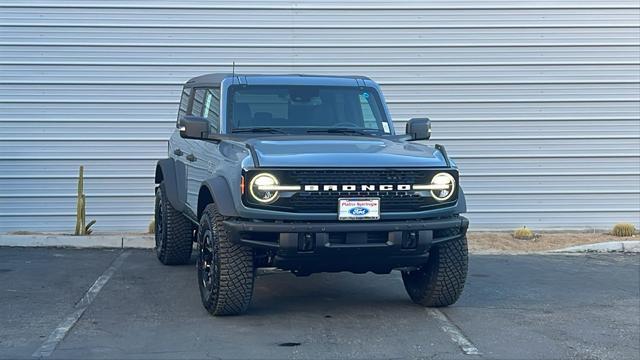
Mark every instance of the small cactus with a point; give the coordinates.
(152, 226)
(81, 227)
(623, 229)
(524, 234)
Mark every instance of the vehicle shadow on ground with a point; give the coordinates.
(327, 294)
(281, 292)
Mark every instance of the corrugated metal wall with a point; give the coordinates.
(538, 101)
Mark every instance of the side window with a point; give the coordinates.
(371, 113)
(198, 102)
(212, 109)
(184, 104)
(206, 103)
(368, 112)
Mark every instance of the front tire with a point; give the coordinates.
(226, 271)
(441, 280)
(173, 231)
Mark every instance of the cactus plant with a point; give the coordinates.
(81, 227)
(623, 229)
(152, 226)
(523, 234)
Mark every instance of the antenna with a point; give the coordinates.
(233, 72)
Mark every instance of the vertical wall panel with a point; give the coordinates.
(538, 102)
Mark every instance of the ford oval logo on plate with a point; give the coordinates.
(358, 211)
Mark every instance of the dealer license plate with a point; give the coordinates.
(359, 209)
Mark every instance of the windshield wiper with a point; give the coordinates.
(342, 131)
(258, 130)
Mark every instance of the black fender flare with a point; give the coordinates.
(221, 195)
(461, 206)
(168, 172)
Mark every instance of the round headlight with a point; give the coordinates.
(444, 185)
(261, 190)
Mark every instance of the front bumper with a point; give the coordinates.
(308, 247)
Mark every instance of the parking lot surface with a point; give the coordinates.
(513, 307)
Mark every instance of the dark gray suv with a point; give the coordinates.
(306, 174)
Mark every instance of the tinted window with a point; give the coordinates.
(206, 103)
(303, 107)
(211, 109)
(370, 110)
(198, 102)
(184, 103)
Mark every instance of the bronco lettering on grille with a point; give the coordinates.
(401, 187)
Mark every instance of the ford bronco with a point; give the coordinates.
(306, 174)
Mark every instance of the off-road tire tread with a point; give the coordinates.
(441, 281)
(237, 270)
(176, 249)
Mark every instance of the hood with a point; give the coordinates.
(342, 151)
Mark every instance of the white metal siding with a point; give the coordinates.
(538, 101)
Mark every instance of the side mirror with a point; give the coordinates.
(194, 127)
(419, 129)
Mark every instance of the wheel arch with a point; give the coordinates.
(166, 173)
(216, 190)
(159, 174)
(461, 206)
(204, 198)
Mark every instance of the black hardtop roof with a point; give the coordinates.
(214, 79)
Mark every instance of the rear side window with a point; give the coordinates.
(206, 103)
(198, 102)
(184, 104)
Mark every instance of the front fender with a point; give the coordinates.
(221, 195)
(461, 207)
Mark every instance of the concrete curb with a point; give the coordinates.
(92, 241)
(610, 246)
(146, 241)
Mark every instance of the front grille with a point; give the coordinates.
(327, 201)
(357, 177)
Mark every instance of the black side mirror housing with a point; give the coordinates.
(194, 127)
(419, 129)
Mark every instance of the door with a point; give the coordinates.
(179, 147)
(203, 156)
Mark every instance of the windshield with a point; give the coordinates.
(300, 109)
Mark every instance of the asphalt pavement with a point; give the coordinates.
(63, 303)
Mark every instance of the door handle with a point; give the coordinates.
(178, 152)
(191, 157)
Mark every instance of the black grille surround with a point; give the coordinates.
(358, 177)
(327, 201)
